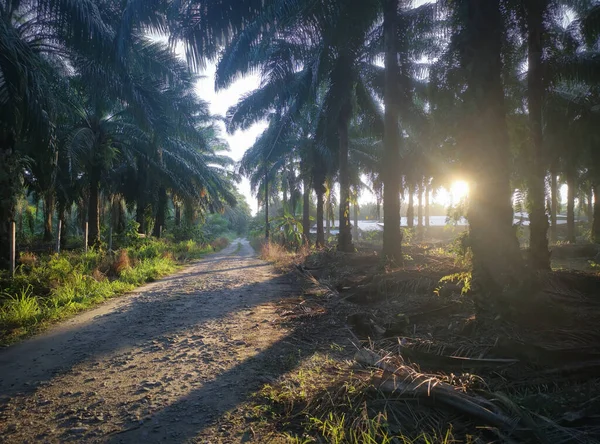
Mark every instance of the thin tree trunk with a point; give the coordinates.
(571, 205)
(94, 207)
(497, 262)
(410, 210)
(392, 233)
(48, 213)
(553, 201)
(590, 204)
(538, 228)
(320, 190)
(306, 211)
(345, 230)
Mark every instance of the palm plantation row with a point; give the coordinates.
(97, 114)
(503, 93)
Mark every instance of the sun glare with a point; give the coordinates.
(459, 190)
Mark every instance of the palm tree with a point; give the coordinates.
(34, 42)
(535, 11)
(392, 235)
(477, 43)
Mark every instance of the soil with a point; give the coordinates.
(165, 363)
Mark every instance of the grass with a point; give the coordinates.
(50, 288)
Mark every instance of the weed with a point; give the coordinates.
(21, 309)
(463, 279)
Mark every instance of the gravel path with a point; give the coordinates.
(162, 364)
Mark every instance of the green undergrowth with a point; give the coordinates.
(49, 288)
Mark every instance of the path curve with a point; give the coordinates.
(161, 364)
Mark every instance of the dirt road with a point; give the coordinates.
(162, 364)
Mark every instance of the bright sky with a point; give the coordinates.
(219, 104)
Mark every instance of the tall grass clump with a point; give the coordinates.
(280, 256)
(20, 309)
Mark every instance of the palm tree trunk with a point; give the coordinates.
(497, 262)
(538, 228)
(140, 215)
(345, 230)
(48, 213)
(571, 204)
(328, 210)
(284, 192)
(596, 215)
(320, 190)
(392, 233)
(420, 207)
(64, 229)
(266, 205)
(177, 213)
(94, 207)
(121, 219)
(553, 201)
(142, 194)
(355, 224)
(410, 210)
(8, 193)
(427, 209)
(161, 210)
(306, 211)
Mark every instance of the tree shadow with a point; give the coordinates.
(152, 312)
(187, 418)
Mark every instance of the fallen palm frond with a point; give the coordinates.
(487, 409)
